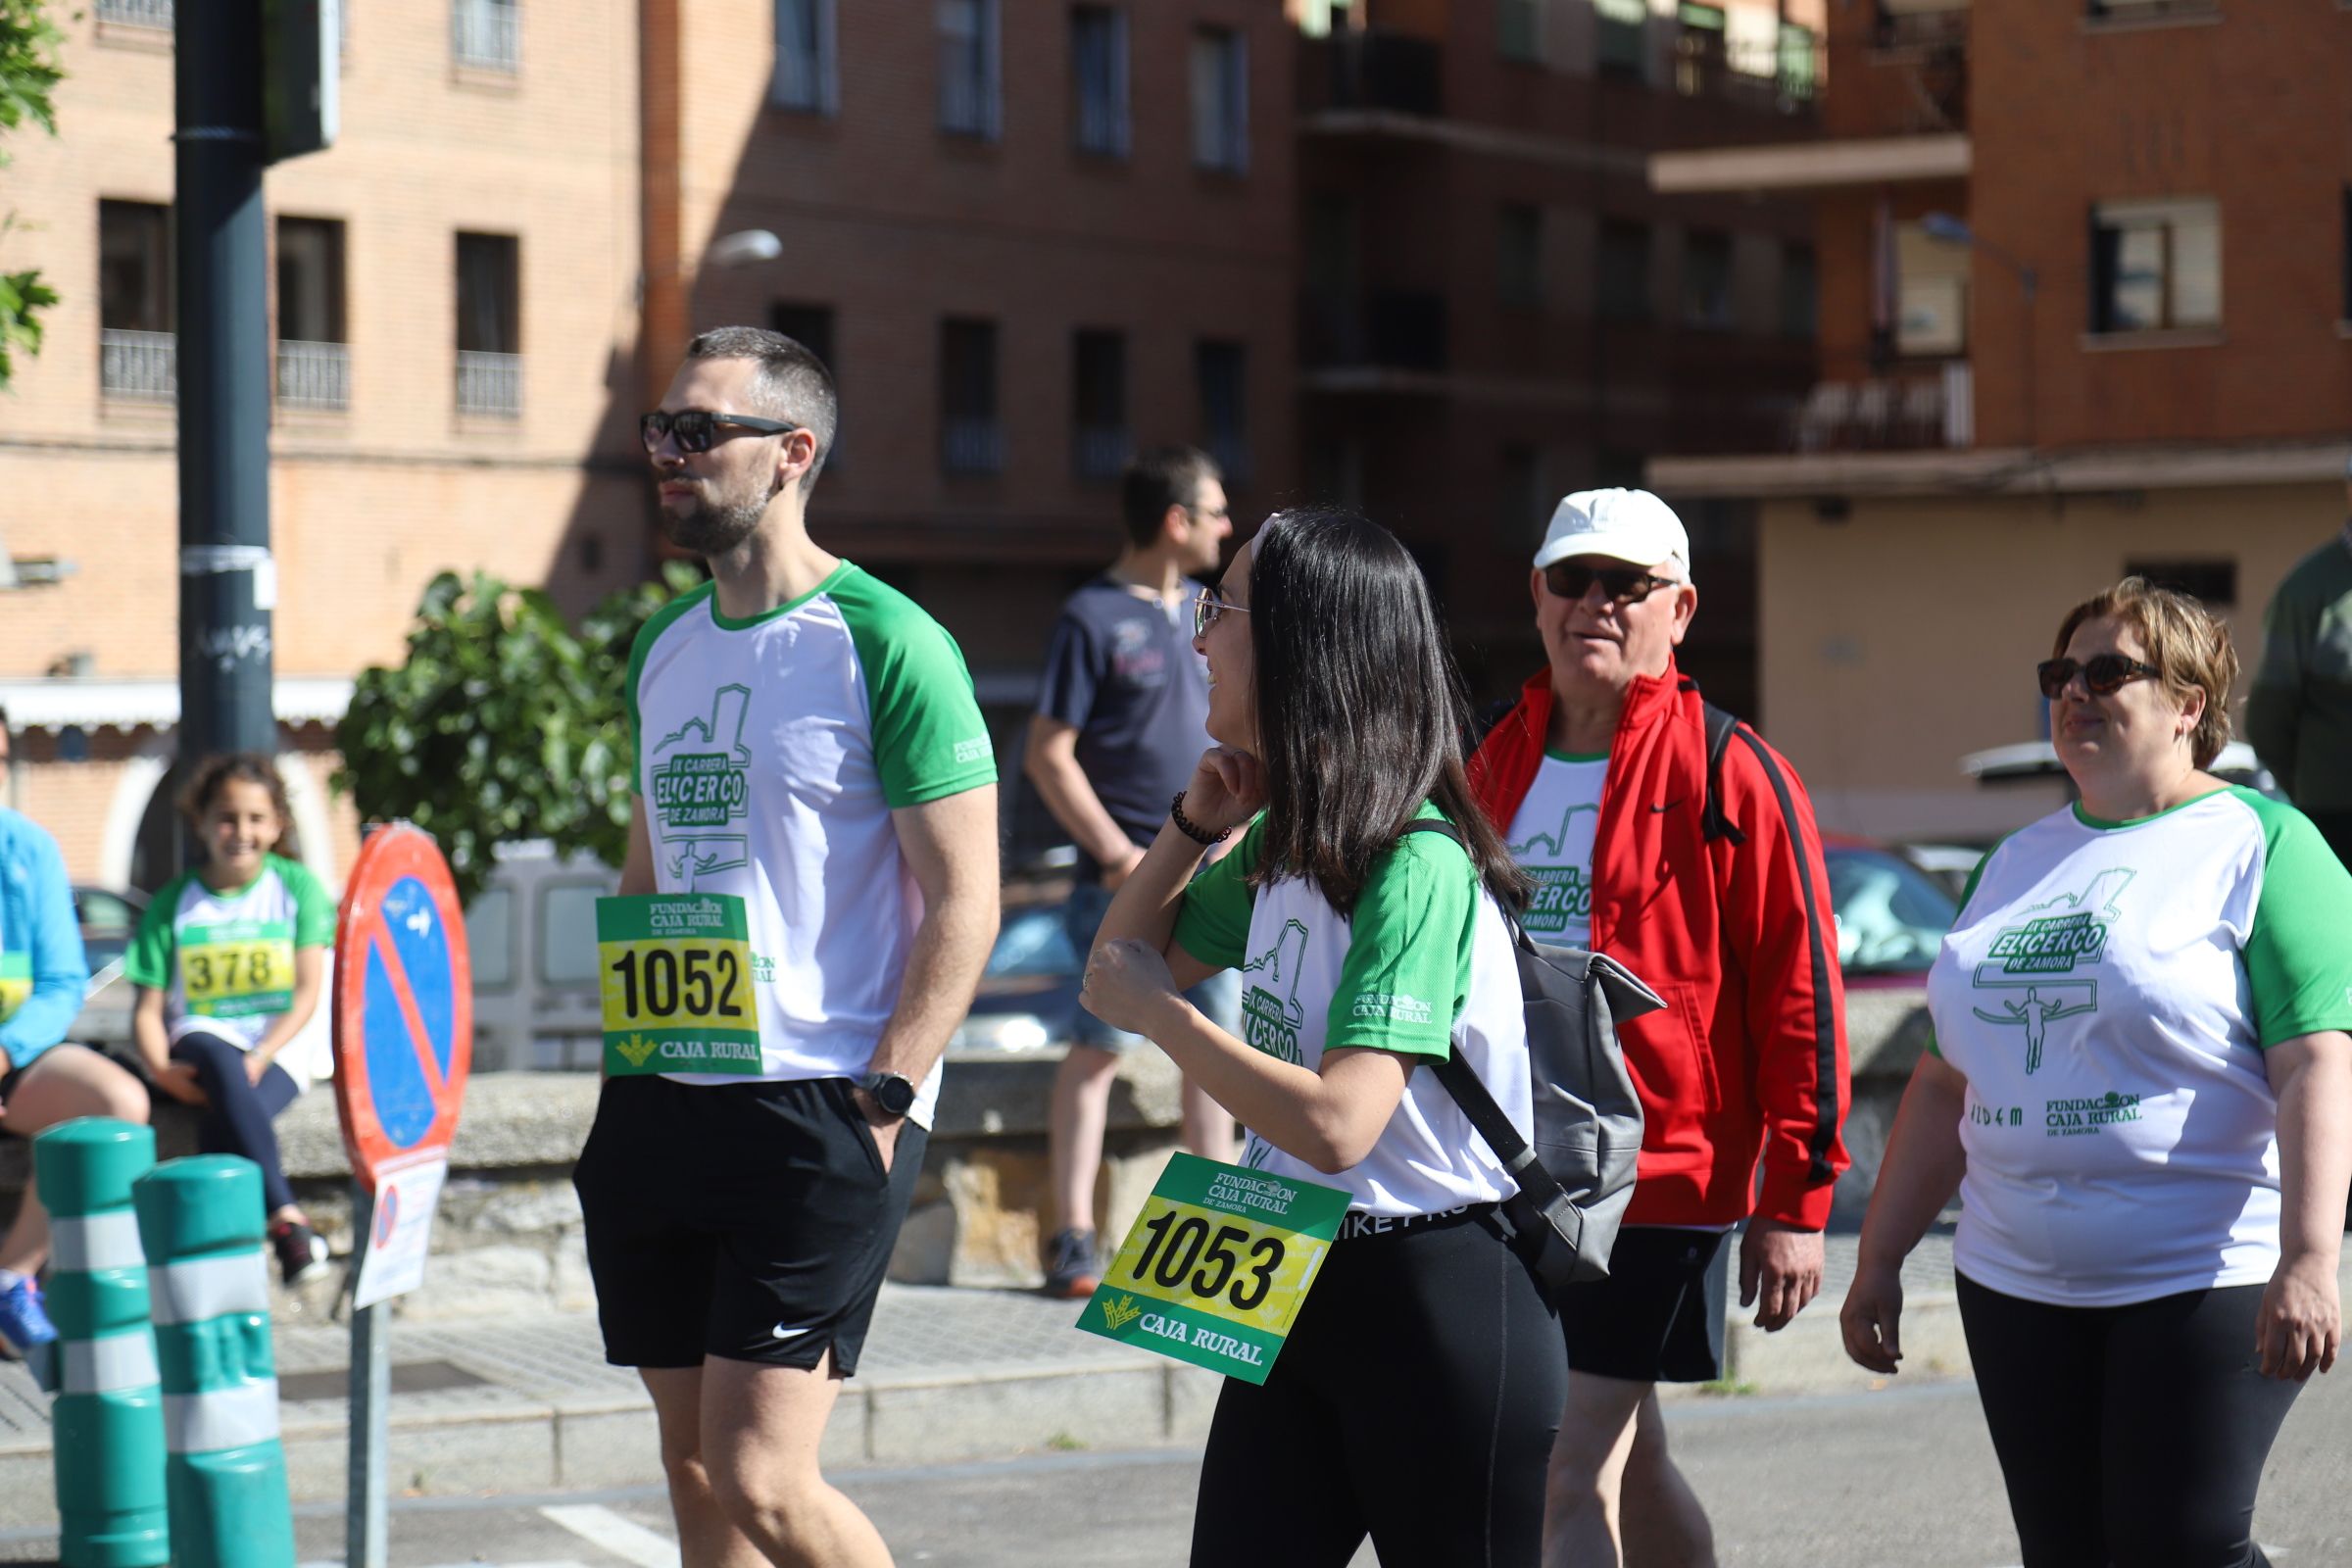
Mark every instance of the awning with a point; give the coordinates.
(100, 702)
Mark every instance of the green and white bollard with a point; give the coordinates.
(108, 1418)
(201, 1220)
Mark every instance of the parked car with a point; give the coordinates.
(108, 918)
(2030, 760)
(1891, 915)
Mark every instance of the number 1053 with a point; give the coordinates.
(1177, 1246)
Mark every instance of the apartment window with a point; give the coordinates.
(1519, 29)
(314, 356)
(970, 86)
(486, 34)
(1220, 100)
(1099, 79)
(2213, 581)
(137, 357)
(489, 326)
(1621, 273)
(1522, 509)
(804, 76)
(1930, 294)
(971, 438)
(1519, 256)
(1320, 19)
(2347, 305)
(1222, 369)
(2155, 265)
(812, 327)
(2133, 9)
(1801, 292)
(1619, 49)
(1707, 280)
(1098, 401)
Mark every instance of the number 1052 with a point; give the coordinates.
(653, 983)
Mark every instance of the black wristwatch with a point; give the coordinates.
(892, 1095)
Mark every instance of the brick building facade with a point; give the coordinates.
(2085, 307)
(453, 313)
(1497, 307)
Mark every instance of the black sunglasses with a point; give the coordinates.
(1622, 584)
(696, 429)
(2103, 674)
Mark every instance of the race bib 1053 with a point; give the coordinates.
(1216, 1266)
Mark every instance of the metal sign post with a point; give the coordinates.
(403, 1044)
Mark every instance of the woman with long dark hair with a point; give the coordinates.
(1417, 1394)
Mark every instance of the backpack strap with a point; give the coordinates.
(1712, 820)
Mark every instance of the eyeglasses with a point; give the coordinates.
(2103, 674)
(696, 429)
(1565, 579)
(1210, 607)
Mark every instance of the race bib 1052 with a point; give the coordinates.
(675, 970)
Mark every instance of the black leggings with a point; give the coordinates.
(237, 1111)
(2132, 1436)
(1416, 1401)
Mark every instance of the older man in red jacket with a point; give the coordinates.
(1700, 867)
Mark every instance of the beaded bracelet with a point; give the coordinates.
(1191, 829)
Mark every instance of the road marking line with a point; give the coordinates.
(631, 1542)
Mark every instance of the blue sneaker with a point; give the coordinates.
(26, 1333)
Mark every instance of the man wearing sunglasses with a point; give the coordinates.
(816, 807)
(2299, 713)
(1665, 835)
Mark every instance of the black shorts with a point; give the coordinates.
(1658, 1318)
(750, 1221)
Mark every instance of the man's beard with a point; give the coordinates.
(712, 529)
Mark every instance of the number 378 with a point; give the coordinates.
(1178, 1246)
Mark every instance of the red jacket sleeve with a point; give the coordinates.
(1779, 925)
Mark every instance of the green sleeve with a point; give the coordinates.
(148, 960)
(313, 905)
(647, 635)
(1408, 970)
(1212, 923)
(929, 739)
(2298, 958)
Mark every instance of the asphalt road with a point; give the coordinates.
(1903, 1478)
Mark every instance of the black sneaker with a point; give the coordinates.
(300, 1251)
(1071, 1269)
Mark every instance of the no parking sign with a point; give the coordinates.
(404, 1042)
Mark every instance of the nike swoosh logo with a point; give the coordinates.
(1670, 804)
(780, 1332)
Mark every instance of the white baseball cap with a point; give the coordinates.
(1629, 525)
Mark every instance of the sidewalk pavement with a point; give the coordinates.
(529, 1404)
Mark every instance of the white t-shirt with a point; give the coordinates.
(770, 753)
(1551, 839)
(1423, 966)
(2108, 991)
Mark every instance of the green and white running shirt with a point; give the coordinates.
(224, 961)
(1423, 967)
(770, 753)
(1551, 839)
(2108, 992)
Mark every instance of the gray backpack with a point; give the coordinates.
(1575, 1182)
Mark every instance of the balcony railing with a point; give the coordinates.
(314, 375)
(1400, 330)
(1909, 414)
(1101, 452)
(490, 383)
(972, 446)
(138, 366)
(1783, 72)
(136, 12)
(485, 35)
(1924, 24)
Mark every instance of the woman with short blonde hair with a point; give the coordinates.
(2141, 1086)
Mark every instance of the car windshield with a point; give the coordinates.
(1891, 916)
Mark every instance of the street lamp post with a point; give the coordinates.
(1954, 231)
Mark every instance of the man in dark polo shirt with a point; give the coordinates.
(1120, 724)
